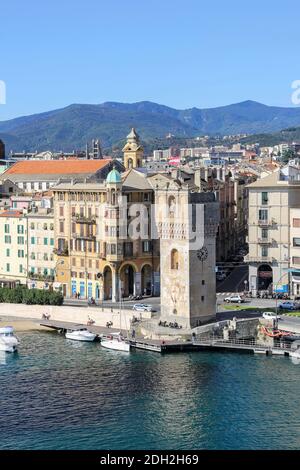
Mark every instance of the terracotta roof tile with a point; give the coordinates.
(57, 167)
(11, 213)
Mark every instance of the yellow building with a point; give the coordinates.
(96, 257)
(133, 151)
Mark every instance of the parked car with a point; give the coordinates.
(142, 308)
(234, 299)
(237, 258)
(270, 316)
(287, 305)
(242, 252)
(220, 276)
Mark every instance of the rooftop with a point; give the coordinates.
(11, 213)
(56, 167)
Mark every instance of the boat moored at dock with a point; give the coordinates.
(115, 341)
(8, 341)
(80, 335)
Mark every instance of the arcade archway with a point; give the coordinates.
(127, 275)
(146, 279)
(107, 283)
(264, 277)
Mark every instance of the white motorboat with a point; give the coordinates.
(80, 335)
(294, 353)
(115, 341)
(8, 341)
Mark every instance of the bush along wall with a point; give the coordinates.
(23, 295)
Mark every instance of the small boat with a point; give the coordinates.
(295, 354)
(115, 341)
(80, 335)
(8, 341)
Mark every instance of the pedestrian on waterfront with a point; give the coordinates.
(78, 295)
(133, 334)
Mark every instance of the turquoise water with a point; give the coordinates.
(58, 394)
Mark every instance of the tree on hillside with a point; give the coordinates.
(287, 155)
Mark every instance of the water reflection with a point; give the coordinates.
(62, 394)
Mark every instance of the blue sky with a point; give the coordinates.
(181, 53)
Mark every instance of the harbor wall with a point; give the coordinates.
(73, 314)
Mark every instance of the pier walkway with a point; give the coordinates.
(164, 346)
(243, 345)
(159, 346)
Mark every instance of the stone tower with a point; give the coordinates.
(133, 151)
(188, 279)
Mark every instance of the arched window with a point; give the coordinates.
(172, 206)
(174, 259)
(113, 197)
(130, 163)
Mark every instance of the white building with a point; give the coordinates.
(272, 201)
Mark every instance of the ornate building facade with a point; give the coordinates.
(96, 254)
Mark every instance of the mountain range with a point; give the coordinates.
(71, 127)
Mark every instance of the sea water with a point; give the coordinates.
(61, 394)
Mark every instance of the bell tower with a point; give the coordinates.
(133, 151)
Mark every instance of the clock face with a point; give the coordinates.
(202, 254)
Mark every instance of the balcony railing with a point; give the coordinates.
(41, 277)
(259, 259)
(80, 219)
(86, 236)
(265, 222)
(265, 241)
(61, 251)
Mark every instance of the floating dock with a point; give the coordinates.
(164, 346)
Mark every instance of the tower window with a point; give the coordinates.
(174, 259)
(172, 206)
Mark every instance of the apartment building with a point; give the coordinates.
(295, 251)
(273, 204)
(28, 240)
(41, 260)
(13, 236)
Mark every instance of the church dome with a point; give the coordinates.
(113, 177)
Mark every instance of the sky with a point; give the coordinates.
(181, 53)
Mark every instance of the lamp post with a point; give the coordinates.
(276, 298)
(61, 261)
(101, 281)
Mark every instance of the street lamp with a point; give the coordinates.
(100, 277)
(61, 261)
(276, 298)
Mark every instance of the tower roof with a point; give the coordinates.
(113, 177)
(133, 136)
